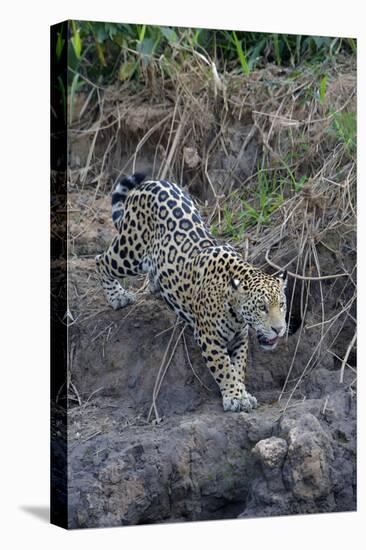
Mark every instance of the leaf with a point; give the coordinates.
(127, 69)
(142, 33)
(322, 89)
(276, 46)
(59, 46)
(111, 29)
(100, 53)
(99, 31)
(317, 41)
(300, 184)
(146, 49)
(76, 42)
(250, 210)
(73, 89)
(352, 44)
(196, 36)
(345, 125)
(241, 54)
(63, 95)
(119, 39)
(320, 41)
(255, 52)
(169, 34)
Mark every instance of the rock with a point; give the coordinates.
(198, 463)
(191, 157)
(296, 422)
(270, 452)
(307, 467)
(185, 469)
(302, 471)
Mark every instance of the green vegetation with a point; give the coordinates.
(286, 87)
(269, 193)
(323, 88)
(344, 126)
(101, 51)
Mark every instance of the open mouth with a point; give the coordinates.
(267, 343)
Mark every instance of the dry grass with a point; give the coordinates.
(215, 133)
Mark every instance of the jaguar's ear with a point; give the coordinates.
(283, 278)
(235, 283)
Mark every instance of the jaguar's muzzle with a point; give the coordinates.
(267, 343)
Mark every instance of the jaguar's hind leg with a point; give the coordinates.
(116, 295)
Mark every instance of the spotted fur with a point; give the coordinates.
(208, 285)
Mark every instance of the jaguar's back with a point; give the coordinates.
(159, 232)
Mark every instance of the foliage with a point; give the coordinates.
(269, 194)
(100, 54)
(323, 88)
(344, 126)
(105, 52)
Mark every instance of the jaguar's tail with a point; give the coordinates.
(120, 193)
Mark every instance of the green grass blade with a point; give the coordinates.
(323, 89)
(276, 46)
(73, 89)
(241, 55)
(59, 46)
(76, 40)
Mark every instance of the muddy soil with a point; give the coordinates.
(198, 462)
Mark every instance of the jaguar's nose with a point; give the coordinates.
(280, 331)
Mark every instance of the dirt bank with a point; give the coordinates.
(297, 452)
(198, 462)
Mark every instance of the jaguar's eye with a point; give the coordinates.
(263, 307)
(282, 305)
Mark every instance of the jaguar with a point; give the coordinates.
(160, 232)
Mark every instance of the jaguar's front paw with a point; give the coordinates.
(245, 403)
(231, 404)
(248, 402)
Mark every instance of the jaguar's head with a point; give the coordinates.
(259, 299)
